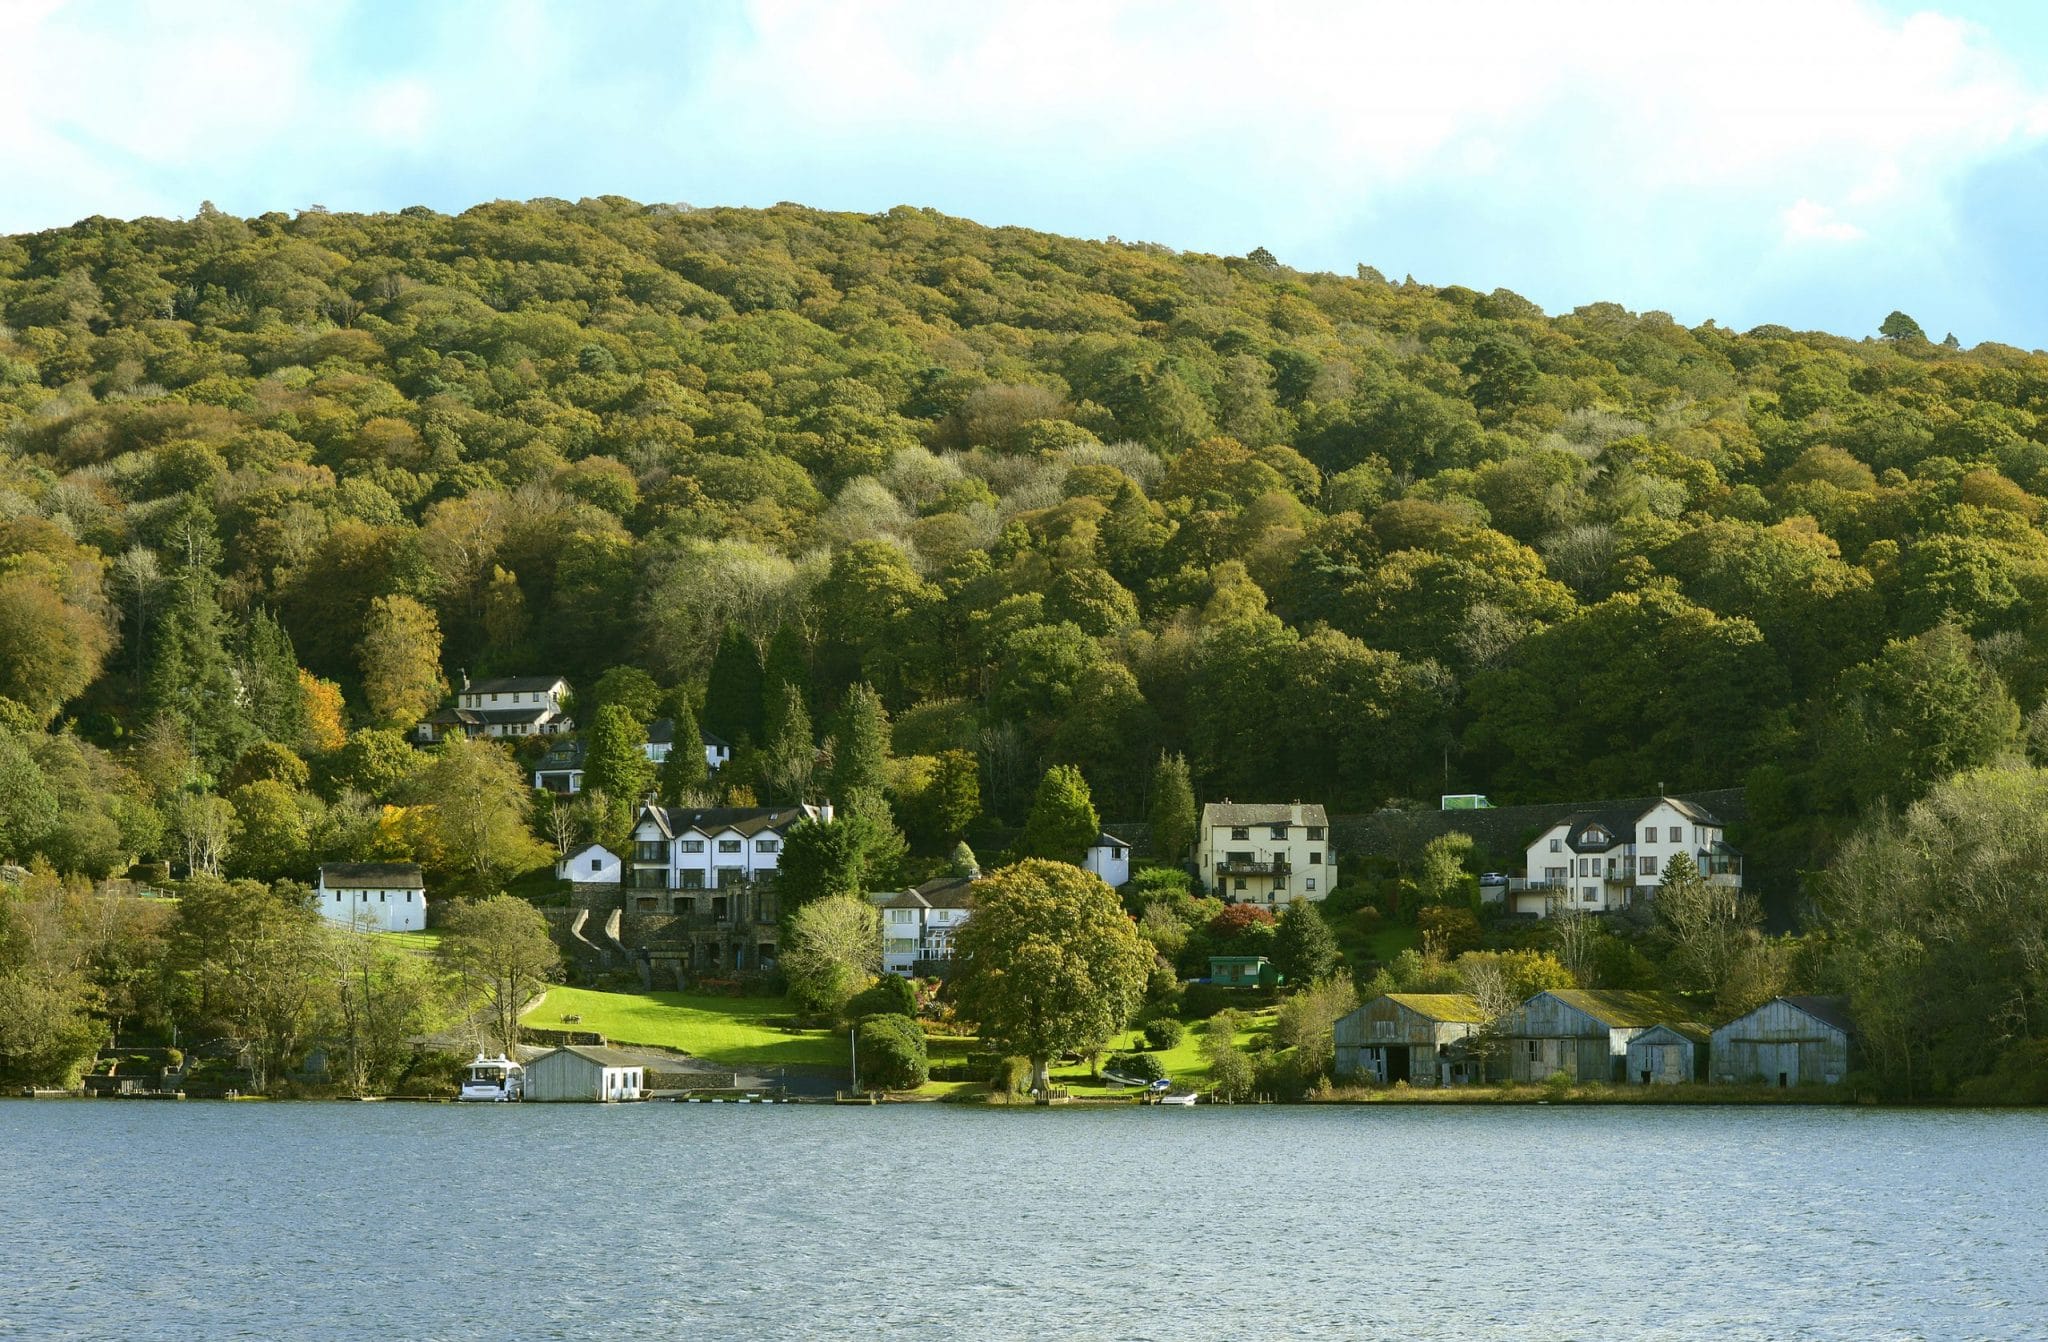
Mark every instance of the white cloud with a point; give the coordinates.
(1810, 221)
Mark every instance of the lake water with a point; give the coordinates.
(691, 1221)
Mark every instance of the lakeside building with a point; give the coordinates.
(918, 925)
(1788, 1041)
(372, 896)
(505, 706)
(1582, 1032)
(1420, 1038)
(587, 1073)
(1669, 1053)
(1605, 858)
(698, 860)
(592, 864)
(1269, 855)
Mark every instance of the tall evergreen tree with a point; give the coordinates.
(1173, 809)
(191, 674)
(732, 700)
(615, 759)
(1062, 823)
(788, 663)
(861, 745)
(270, 682)
(1304, 949)
(684, 770)
(790, 755)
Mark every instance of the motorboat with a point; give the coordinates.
(1185, 1098)
(497, 1078)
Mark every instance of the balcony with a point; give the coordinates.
(1239, 866)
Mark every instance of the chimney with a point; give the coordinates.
(464, 673)
(825, 812)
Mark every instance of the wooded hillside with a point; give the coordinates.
(1334, 537)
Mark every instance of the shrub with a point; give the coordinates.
(1164, 1033)
(1230, 1074)
(889, 995)
(1558, 1084)
(1138, 1066)
(1009, 1075)
(892, 1053)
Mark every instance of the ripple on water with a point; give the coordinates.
(374, 1221)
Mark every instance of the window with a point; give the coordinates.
(1649, 834)
(1557, 845)
(1315, 859)
(693, 880)
(1116, 854)
(1240, 832)
(1588, 894)
(1585, 866)
(597, 864)
(767, 845)
(1556, 873)
(901, 915)
(645, 850)
(1647, 865)
(1240, 882)
(730, 846)
(1278, 831)
(1535, 1050)
(1677, 834)
(1311, 882)
(693, 845)
(1315, 833)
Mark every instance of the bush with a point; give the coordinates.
(892, 1053)
(1138, 1066)
(889, 995)
(1009, 1075)
(1230, 1074)
(1164, 1033)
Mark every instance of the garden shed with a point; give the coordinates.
(1788, 1041)
(1670, 1053)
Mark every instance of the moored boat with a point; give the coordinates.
(497, 1078)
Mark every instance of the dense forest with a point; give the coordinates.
(269, 486)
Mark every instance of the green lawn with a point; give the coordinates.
(733, 1031)
(420, 943)
(1183, 1062)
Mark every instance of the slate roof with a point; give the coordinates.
(947, 892)
(1259, 813)
(564, 756)
(747, 820)
(661, 732)
(513, 685)
(1827, 1010)
(1620, 819)
(1456, 1008)
(372, 875)
(1108, 840)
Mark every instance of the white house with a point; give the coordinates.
(584, 1072)
(1110, 858)
(918, 925)
(592, 864)
(506, 706)
(561, 769)
(1603, 859)
(695, 861)
(1265, 854)
(373, 896)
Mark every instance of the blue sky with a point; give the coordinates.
(1814, 163)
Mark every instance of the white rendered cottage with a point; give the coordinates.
(1110, 858)
(592, 864)
(1601, 860)
(697, 861)
(373, 896)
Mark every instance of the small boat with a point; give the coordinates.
(1188, 1098)
(497, 1079)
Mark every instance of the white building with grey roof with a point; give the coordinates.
(1269, 854)
(372, 896)
(1604, 858)
(511, 706)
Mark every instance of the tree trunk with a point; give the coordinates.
(1041, 1078)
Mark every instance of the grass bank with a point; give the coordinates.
(731, 1031)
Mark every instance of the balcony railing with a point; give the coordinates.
(1278, 866)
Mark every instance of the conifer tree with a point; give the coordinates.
(684, 770)
(270, 682)
(732, 700)
(615, 759)
(790, 755)
(1062, 823)
(861, 744)
(1173, 809)
(191, 675)
(1304, 949)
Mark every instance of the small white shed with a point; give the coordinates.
(1110, 858)
(587, 1073)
